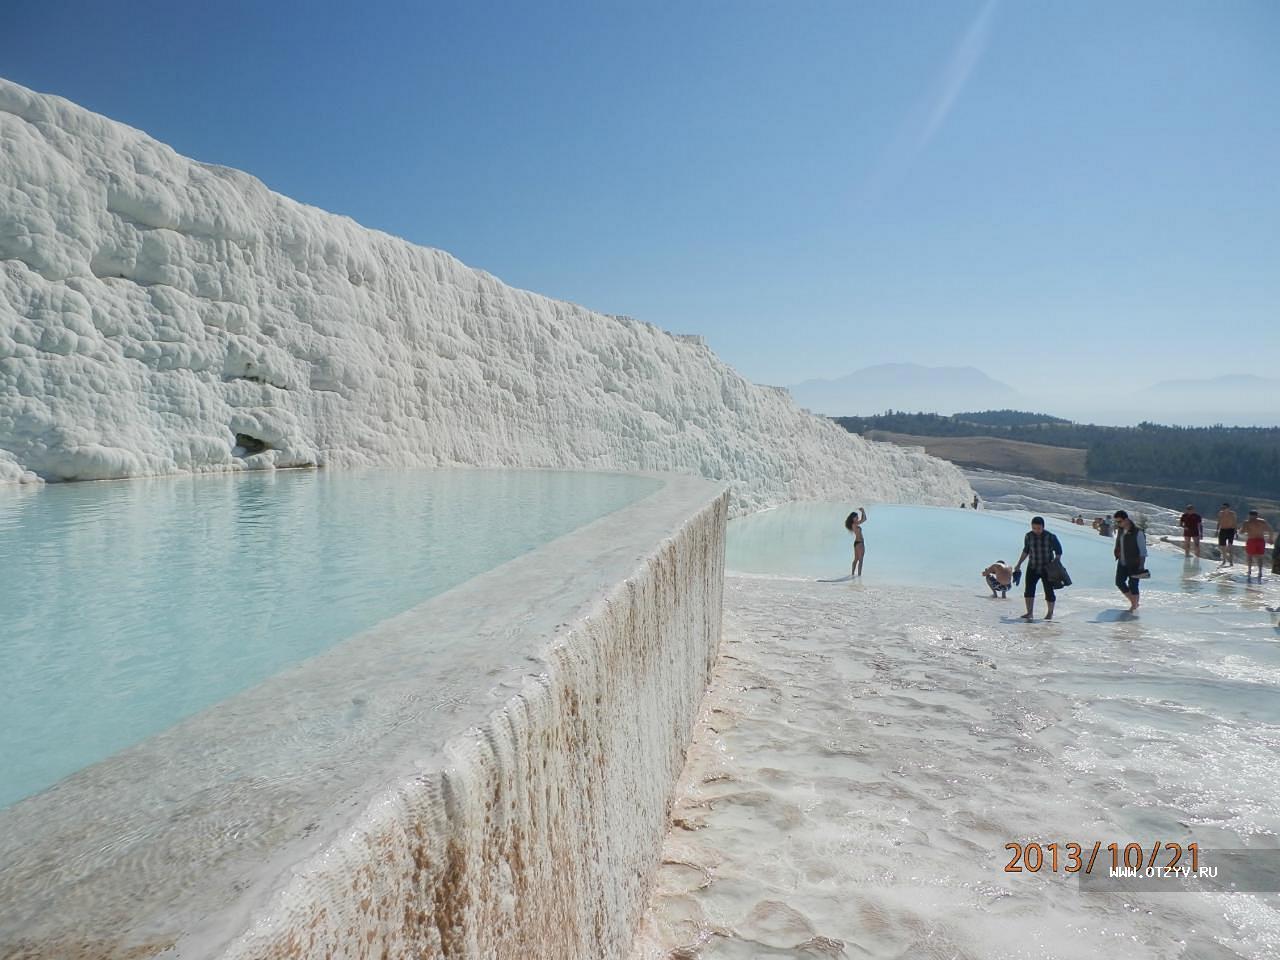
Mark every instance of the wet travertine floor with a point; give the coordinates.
(865, 753)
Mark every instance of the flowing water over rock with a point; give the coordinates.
(866, 752)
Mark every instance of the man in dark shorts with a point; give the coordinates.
(1227, 535)
(1192, 526)
(1039, 548)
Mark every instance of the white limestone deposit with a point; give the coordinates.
(159, 315)
(485, 775)
(864, 755)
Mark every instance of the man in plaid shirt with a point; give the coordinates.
(1039, 548)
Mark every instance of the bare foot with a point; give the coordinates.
(1048, 616)
(1025, 616)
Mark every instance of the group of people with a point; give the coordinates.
(1042, 553)
(1255, 532)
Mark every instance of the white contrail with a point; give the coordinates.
(956, 73)
(931, 112)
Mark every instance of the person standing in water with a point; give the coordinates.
(1227, 535)
(1039, 549)
(1131, 558)
(1256, 533)
(853, 523)
(1192, 525)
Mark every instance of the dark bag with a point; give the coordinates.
(1055, 574)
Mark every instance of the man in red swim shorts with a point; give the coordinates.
(1257, 533)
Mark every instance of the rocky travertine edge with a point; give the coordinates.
(373, 802)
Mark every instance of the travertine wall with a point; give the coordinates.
(159, 315)
(541, 836)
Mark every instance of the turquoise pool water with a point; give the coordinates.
(128, 606)
(938, 546)
(990, 729)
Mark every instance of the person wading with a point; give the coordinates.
(1256, 532)
(853, 523)
(1192, 526)
(1227, 535)
(1131, 558)
(1039, 549)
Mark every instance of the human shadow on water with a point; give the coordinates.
(1114, 616)
(1192, 582)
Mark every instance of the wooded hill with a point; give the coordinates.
(1173, 464)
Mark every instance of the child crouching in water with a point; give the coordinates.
(999, 576)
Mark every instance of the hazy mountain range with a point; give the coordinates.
(905, 386)
(1233, 399)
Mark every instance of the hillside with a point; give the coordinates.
(160, 316)
(992, 453)
(1166, 465)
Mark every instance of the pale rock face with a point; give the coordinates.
(160, 316)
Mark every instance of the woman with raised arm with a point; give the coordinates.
(853, 523)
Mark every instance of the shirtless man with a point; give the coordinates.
(1227, 535)
(1257, 533)
(999, 576)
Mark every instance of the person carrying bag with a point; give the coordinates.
(1057, 574)
(1040, 549)
(1131, 558)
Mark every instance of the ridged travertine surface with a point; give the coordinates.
(153, 308)
(485, 776)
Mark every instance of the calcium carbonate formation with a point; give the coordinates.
(160, 316)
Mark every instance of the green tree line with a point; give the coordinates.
(1239, 458)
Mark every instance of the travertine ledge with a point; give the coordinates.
(509, 804)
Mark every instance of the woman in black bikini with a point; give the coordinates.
(853, 523)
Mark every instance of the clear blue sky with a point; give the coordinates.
(1027, 187)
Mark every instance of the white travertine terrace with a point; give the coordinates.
(159, 315)
(484, 776)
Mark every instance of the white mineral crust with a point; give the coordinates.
(153, 308)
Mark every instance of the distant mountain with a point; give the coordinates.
(905, 386)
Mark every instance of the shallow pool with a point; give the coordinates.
(130, 605)
(938, 546)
